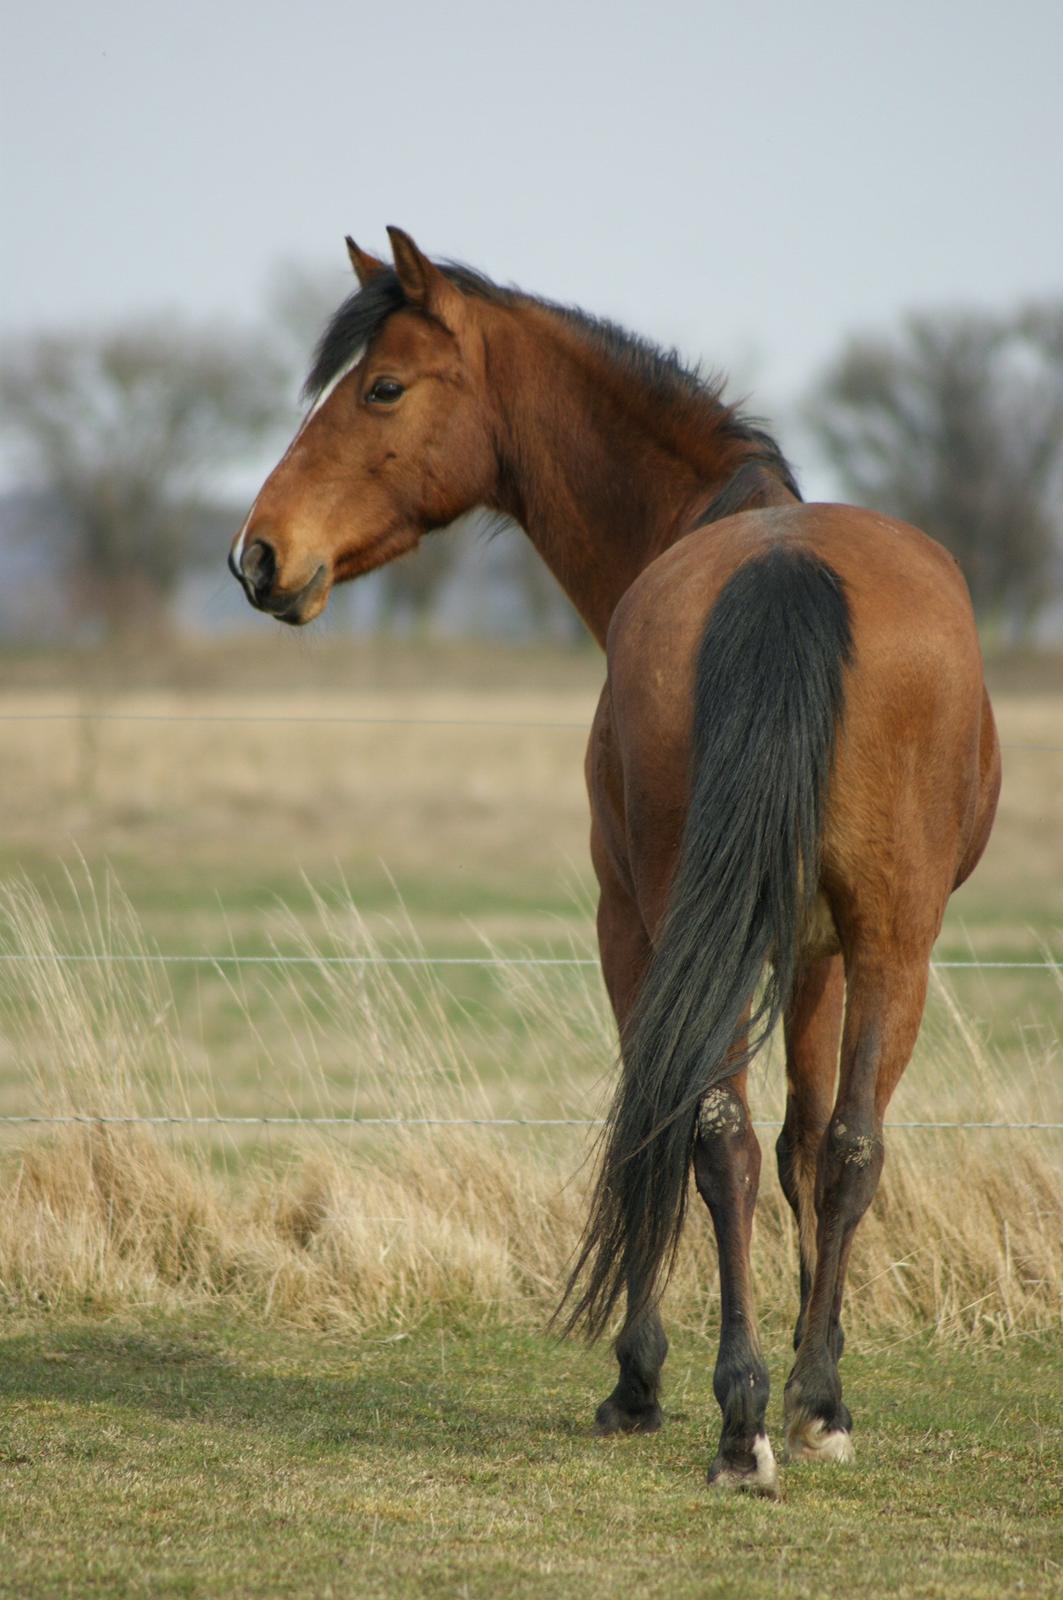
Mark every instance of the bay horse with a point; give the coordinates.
(792, 765)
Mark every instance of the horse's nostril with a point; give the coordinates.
(259, 566)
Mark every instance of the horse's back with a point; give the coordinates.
(894, 576)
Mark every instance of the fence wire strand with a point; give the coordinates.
(288, 718)
(221, 1121)
(207, 959)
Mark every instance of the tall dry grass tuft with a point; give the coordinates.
(373, 1229)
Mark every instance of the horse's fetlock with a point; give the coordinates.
(741, 1385)
(641, 1350)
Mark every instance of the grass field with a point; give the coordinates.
(264, 1362)
(198, 1458)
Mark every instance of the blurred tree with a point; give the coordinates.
(956, 425)
(126, 426)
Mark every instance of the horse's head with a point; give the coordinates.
(397, 440)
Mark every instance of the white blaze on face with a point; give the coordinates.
(329, 389)
(238, 547)
(332, 385)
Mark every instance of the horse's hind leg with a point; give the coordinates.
(813, 1032)
(884, 1006)
(727, 1172)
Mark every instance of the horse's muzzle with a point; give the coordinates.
(256, 570)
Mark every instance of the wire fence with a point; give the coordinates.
(288, 718)
(223, 1121)
(238, 959)
(278, 959)
(207, 959)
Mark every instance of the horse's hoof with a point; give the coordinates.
(812, 1439)
(611, 1418)
(761, 1478)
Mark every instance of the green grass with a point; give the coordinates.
(198, 1458)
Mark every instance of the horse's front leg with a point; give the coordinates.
(727, 1173)
(634, 1404)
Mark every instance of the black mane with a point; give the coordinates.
(663, 372)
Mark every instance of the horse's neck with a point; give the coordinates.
(601, 483)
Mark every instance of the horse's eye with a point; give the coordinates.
(385, 392)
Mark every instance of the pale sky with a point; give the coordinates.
(747, 181)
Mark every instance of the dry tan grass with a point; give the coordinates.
(386, 1229)
(487, 781)
(500, 798)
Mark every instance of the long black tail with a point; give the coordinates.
(768, 697)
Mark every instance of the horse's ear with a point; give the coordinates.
(365, 266)
(422, 282)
